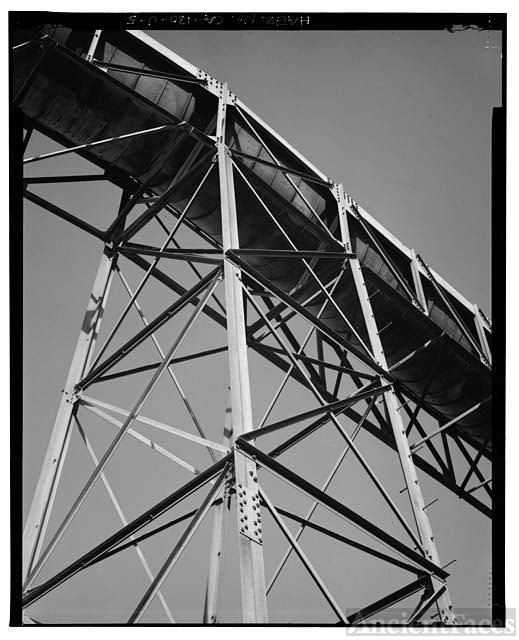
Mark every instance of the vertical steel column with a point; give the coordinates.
(254, 601)
(93, 44)
(417, 279)
(41, 507)
(481, 334)
(397, 425)
(221, 516)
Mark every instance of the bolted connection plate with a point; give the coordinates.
(249, 512)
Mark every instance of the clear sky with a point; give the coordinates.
(403, 119)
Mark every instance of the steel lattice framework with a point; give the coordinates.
(295, 272)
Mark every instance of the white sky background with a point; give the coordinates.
(457, 279)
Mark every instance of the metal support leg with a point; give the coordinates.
(397, 425)
(221, 517)
(41, 507)
(254, 602)
(480, 328)
(93, 45)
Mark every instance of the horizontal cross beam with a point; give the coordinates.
(148, 72)
(278, 167)
(295, 254)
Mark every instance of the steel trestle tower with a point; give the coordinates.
(296, 274)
